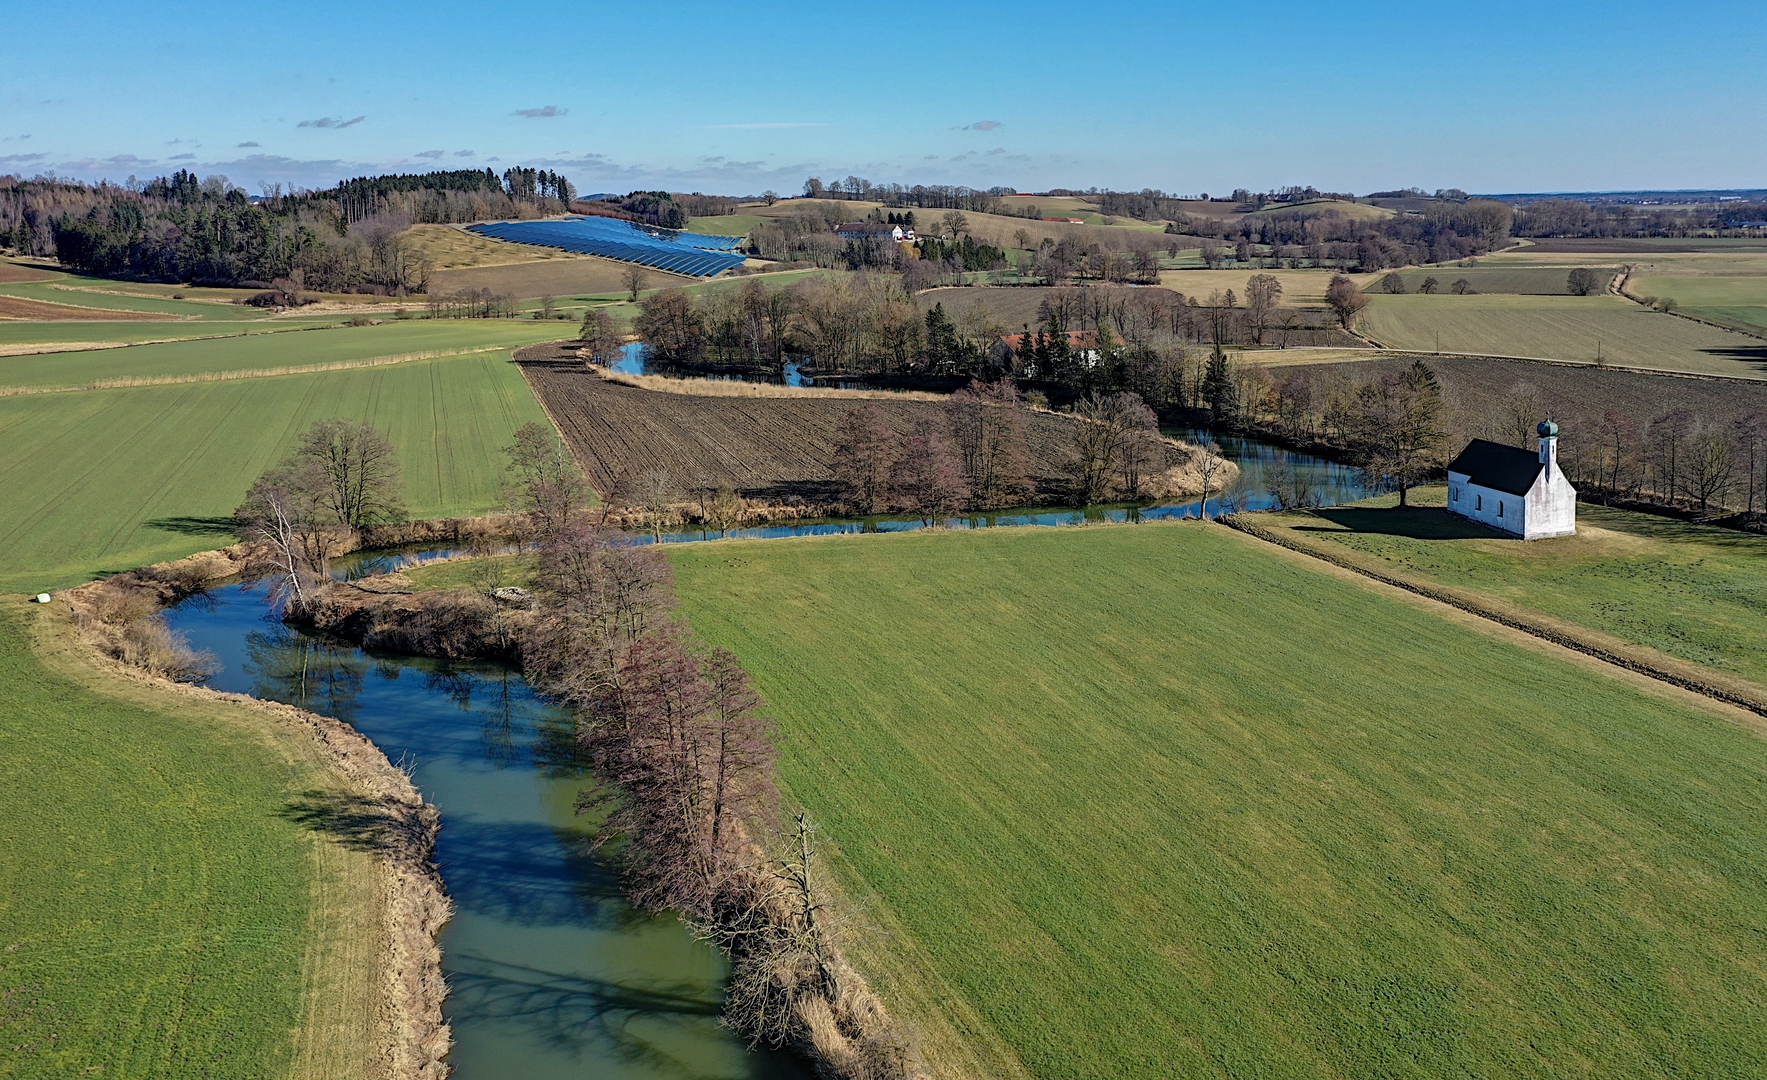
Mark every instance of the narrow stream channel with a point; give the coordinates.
(551, 974)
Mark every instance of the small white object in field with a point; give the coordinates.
(43, 598)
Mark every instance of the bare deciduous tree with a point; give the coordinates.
(293, 536)
(988, 422)
(1209, 466)
(1106, 421)
(1345, 300)
(928, 478)
(543, 481)
(1711, 466)
(865, 457)
(601, 342)
(358, 468)
(341, 476)
(1262, 294)
(634, 278)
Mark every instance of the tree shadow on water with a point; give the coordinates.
(531, 874)
(578, 1014)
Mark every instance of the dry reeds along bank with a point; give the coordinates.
(677, 730)
(700, 387)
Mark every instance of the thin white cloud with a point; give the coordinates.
(768, 125)
(463, 153)
(982, 125)
(183, 157)
(431, 153)
(541, 113)
(331, 122)
(20, 159)
(245, 145)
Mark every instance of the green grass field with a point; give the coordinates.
(1693, 592)
(106, 480)
(96, 293)
(333, 345)
(163, 913)
(726, 225)
(23, 332)
(471, 573)
(1561, 328)
(1161, 800)
(1738, 300)
(1533, 280)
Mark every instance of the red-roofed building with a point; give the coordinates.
(1016, 351)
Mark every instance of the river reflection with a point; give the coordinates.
(551, 973)
(1309, 480)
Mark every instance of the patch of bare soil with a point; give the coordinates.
(578, 276)
(1576, 395)
(12, 272)
(17, 307)
(773, 449)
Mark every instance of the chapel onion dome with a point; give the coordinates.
(1547, 429)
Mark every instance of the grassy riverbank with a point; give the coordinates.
(101, 481)
(1645, 585)
(164, 909)
(1144, 801)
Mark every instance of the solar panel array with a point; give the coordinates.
(612, 238)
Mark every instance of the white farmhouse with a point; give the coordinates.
(1506, 487)
(872, 230)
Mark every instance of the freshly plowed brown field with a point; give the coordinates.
(17, 307)
(778, 449)
(1478, 390)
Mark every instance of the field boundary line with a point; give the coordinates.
(1621, 290)
(99, 346)
(124, 382)
(557, 428)
(1544, 633)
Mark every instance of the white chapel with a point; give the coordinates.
(1521, 492)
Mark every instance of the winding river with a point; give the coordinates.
(551, 973)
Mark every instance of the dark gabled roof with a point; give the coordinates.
(1500, 468)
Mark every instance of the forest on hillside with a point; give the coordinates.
(209, 231)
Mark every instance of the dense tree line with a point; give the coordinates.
(1324, 236)
(971, 454)
(1402, 423)
(1571, 217)
(921, 196)
(180, 228)
(1089, 339)
(691, 802)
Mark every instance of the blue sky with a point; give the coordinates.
(741, 97)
